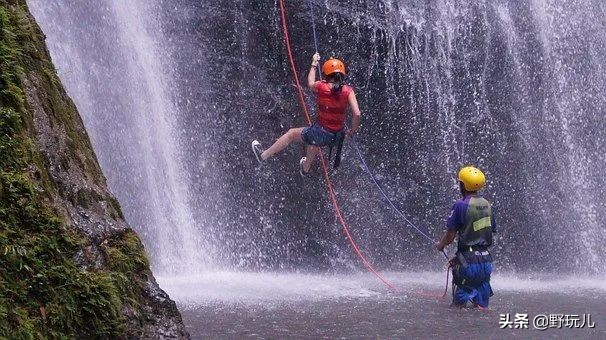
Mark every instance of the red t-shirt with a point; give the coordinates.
(331, 105)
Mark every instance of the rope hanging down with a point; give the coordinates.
(328, 182)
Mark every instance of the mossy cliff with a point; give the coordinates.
(70, 267)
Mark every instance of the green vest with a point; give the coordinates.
(477, 230)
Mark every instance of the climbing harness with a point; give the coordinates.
(338, 143)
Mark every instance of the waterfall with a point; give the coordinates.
(173, 93)
(516, 88)
(111, 57)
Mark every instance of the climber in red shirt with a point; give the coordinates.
(333, 97)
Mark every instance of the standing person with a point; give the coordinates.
(333, 97)
(471, 218)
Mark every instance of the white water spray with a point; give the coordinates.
(149, 117)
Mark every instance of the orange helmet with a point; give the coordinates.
(333, 65)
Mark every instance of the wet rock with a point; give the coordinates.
(58, 192)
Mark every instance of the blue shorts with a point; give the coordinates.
(318, 136)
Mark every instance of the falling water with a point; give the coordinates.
(110, 55)
(172, 93)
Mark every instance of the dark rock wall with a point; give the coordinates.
(69, 263)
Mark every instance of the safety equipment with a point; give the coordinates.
(333, 65)
(473, 179)
(476, 231)
(331, 106)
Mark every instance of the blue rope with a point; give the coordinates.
(374, 180)
(393, 206)
(355, 144)
(313, 26)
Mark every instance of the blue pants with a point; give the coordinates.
(472, 283)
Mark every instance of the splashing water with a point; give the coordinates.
(173, 93)
(120, 78)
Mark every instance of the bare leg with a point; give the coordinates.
(310, 156)
(292, 135)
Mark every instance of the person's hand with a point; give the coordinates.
(439, 246)
(349, 133)
(315, 59)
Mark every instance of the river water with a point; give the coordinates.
(269, 305)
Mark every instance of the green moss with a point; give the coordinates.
(113, 202)
(44, 293)
(38, 272)
(125, 253)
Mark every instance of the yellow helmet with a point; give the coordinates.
(473, 179)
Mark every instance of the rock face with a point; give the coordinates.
(70, 266)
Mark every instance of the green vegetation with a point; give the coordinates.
(43, 291)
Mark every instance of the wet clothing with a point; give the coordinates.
(328, 130)
(318, 136)
(471, 278)
(472, 218)
(331, 105)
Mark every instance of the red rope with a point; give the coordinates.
(328, 182)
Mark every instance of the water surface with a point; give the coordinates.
(269, 305)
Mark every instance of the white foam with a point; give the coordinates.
(248, 286)
(227, 286)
